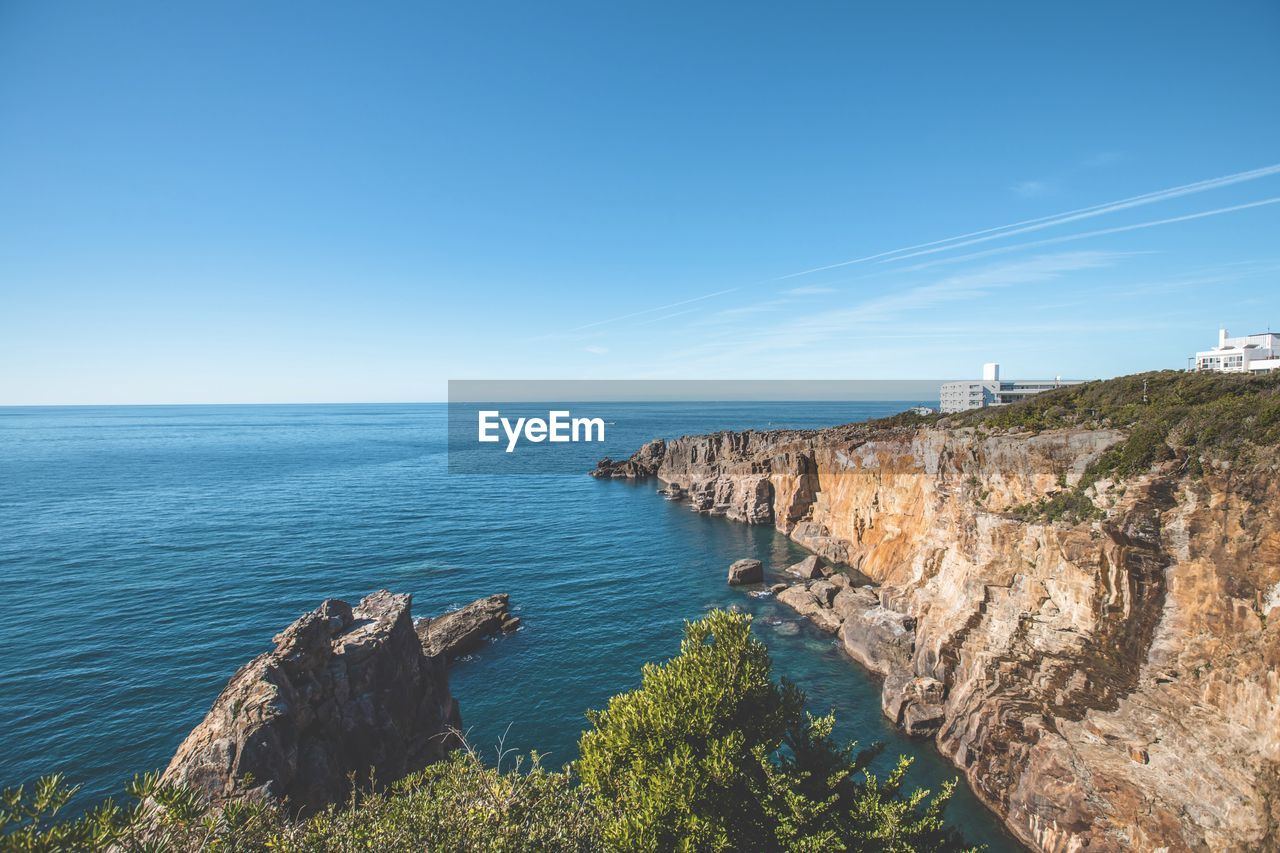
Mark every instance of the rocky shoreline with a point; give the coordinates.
(347, 693)
(879, 638)
(1104, 684)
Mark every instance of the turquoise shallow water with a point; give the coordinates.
(147, 552)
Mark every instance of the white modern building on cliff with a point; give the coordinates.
(1251, 354)
(991, 390)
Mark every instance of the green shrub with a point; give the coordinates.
(708, 754)
(460, 804)
(1192, 416)
(162, 817)
(457, 804)
(1071, 505)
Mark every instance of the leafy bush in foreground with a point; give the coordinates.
(707, 754)
(710, 754)
(456, 804)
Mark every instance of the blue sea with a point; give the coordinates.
(147, 552)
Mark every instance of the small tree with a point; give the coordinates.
(711, 754)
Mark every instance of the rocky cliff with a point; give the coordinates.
(345, 692)
(1106, 680)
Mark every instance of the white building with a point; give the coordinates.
(1250, 354)
(991, 390)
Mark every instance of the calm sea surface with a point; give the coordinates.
(147, 552)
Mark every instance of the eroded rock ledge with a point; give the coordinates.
(463, 630)
(877, 637)
(345, 692)
(1107, 685)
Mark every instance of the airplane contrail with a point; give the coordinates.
(652, 310)
(1100, 232)
(1013, 229)
(1043, 222)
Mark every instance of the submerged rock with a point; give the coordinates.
(346, 692)
(746, 571)
(454, 634)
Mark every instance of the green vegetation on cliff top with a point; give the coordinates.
(1190, 419)
(1166, 414)
(709, 753)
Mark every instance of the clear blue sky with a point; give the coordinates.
(271, 201)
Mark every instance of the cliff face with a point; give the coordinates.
(1104, 685)
(345, 691)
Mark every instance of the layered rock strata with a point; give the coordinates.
(345, 693)
(1111, 684)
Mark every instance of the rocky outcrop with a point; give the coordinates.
(917, 704)
(1110, 684)
(345, 692)
(642, 464)
(463, 630)
(814, 602)
(746, 571)
(810, 567)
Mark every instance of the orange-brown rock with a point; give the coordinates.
(1105, 685)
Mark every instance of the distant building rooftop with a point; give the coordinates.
(991, 390)
(1258, 353)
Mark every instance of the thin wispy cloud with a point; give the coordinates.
(1100, 232)
(1000, 232)
(810, 290)
(655, 310)
(745, 310)
(753, 308)
(873, 314)
(1032, 189)
(1101, 159)
(595, 350)
(663, 318)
